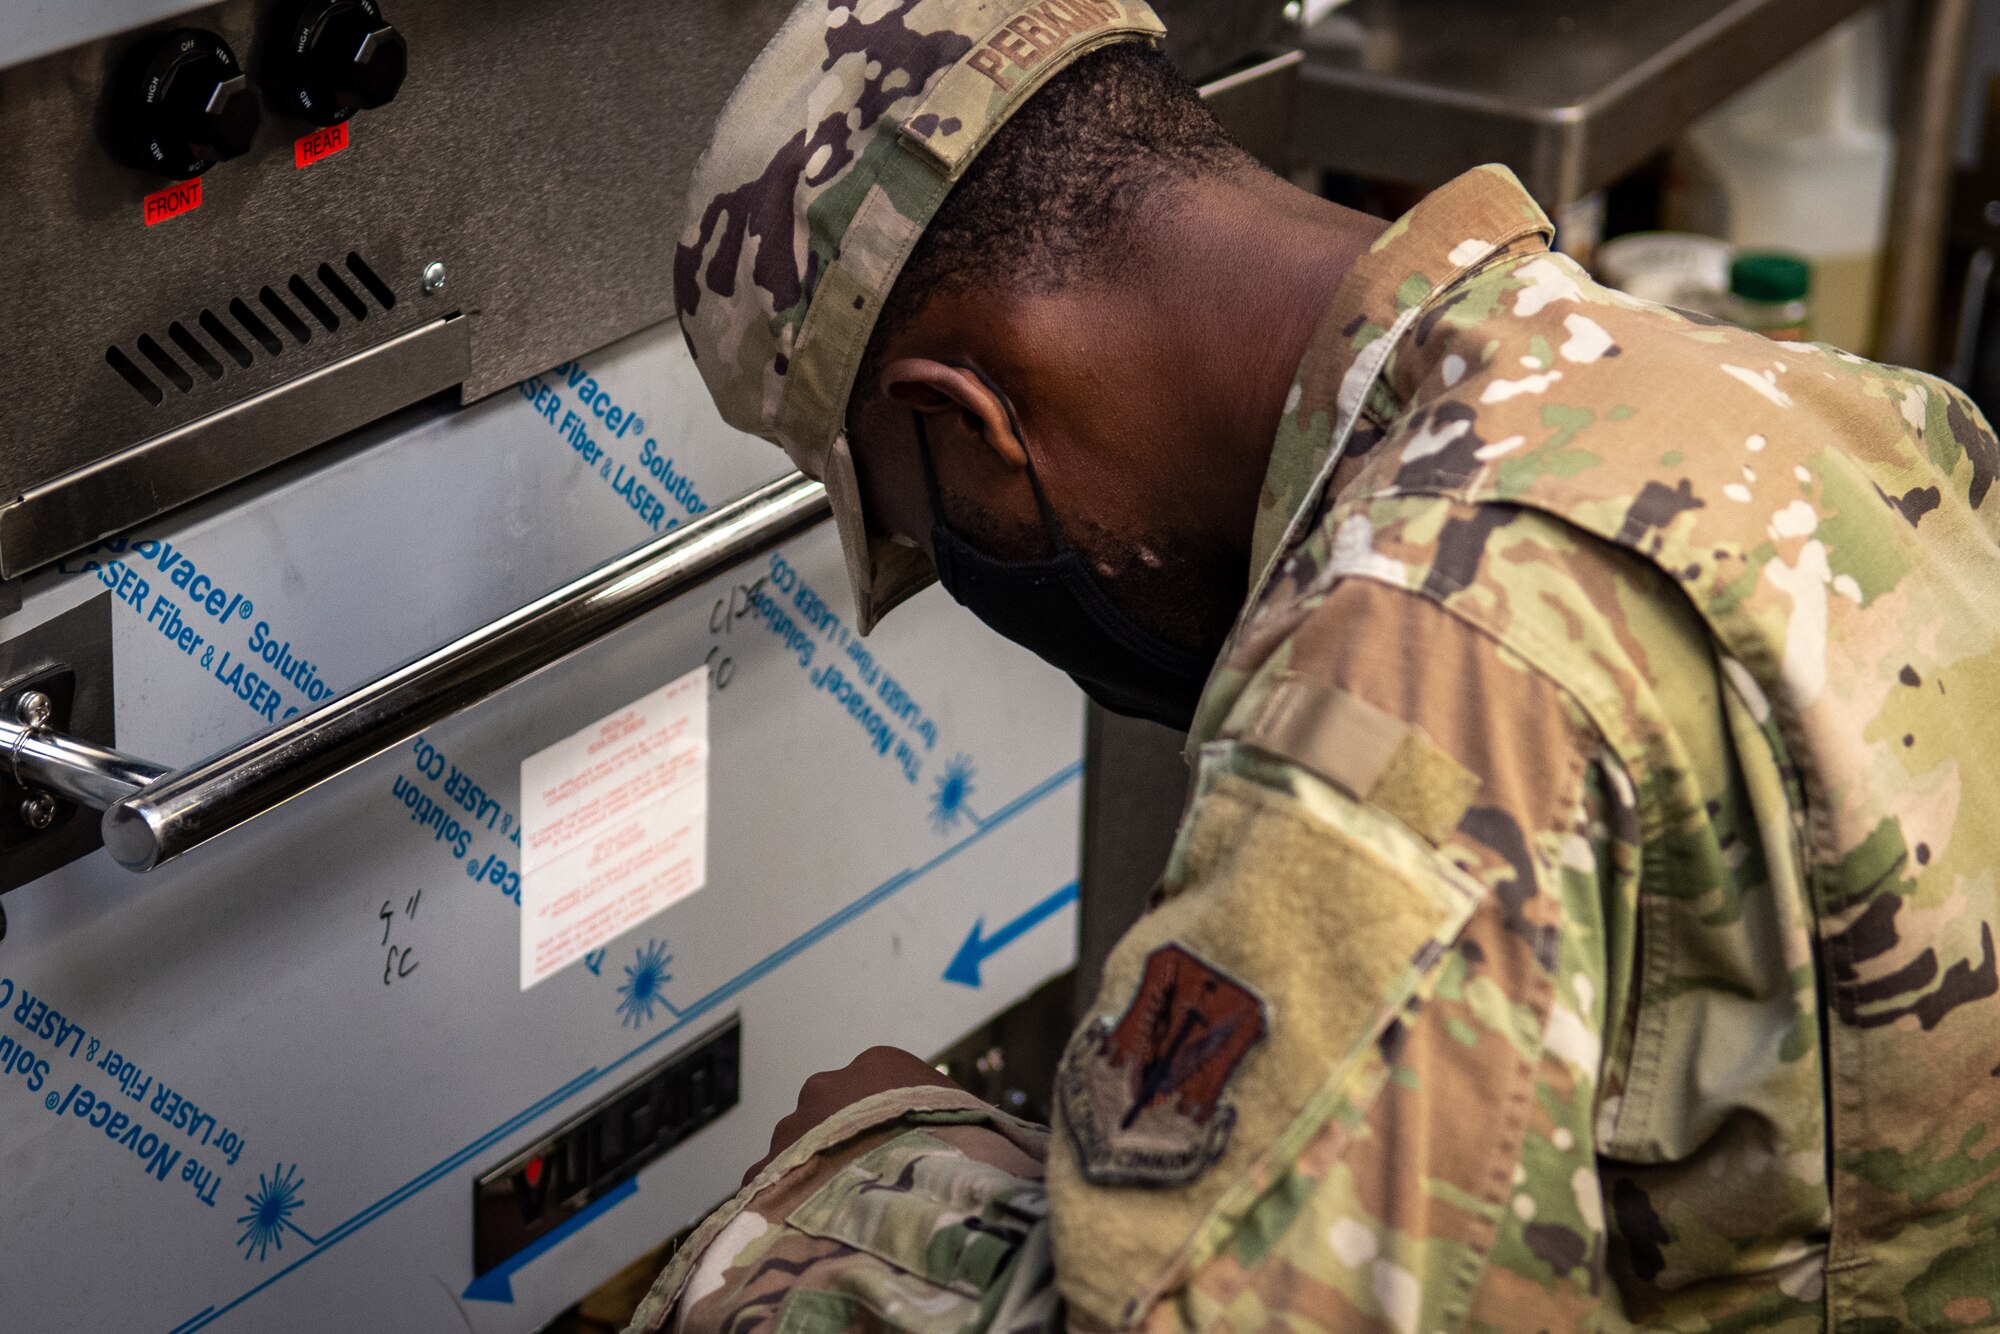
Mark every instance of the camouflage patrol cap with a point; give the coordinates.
(829, 160)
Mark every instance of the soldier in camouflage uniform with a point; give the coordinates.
(1584, 914)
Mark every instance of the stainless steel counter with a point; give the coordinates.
(1569, 93)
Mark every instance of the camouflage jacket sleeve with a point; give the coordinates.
(916, 1209)
(1343, 1077)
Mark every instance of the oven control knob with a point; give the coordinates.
(344, 57)
(193, 106)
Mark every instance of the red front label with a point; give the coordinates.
(178, 198)
(319, 144)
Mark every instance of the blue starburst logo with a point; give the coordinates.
(948, 798)
(644, 987)
(271, 1207)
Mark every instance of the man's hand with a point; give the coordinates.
(876, 1070)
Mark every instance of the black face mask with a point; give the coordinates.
(1058, 610)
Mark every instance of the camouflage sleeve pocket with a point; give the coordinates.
(836, 1223)
(1230, 1021)
(929, 1209)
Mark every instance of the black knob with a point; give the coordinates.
(344, 57)
(191, 105)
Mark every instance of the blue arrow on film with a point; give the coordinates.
(978, 947)
(496, 1284)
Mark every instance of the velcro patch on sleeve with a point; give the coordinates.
(1372, 756)
(1227, 1024)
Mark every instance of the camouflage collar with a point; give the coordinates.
(1408, 270)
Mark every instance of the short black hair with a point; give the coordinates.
(1042, 204)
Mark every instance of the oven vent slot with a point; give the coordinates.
(215, 343)
(141, 384)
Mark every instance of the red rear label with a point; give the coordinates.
(319, 144)
(178, 198)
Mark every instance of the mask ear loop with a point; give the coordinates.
(1051, 525)
(930, 470)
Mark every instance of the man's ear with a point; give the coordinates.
(935, 388)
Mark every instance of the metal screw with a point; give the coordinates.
(433, 277)
(33, 708)
(1294, 11)
(39, 811)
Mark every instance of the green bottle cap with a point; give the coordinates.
(1769, 276)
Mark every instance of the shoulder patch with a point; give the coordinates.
(1143, 1098)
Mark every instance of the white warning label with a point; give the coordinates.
(615, 825)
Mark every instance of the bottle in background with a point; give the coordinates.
(1801, 162)
(1770, 293)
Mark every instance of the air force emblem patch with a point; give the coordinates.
(1143, 1098)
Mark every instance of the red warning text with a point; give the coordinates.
(182, 197)
(319, 145)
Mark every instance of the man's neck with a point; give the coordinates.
(1258, 262)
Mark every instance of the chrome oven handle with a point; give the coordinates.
(152, 815)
